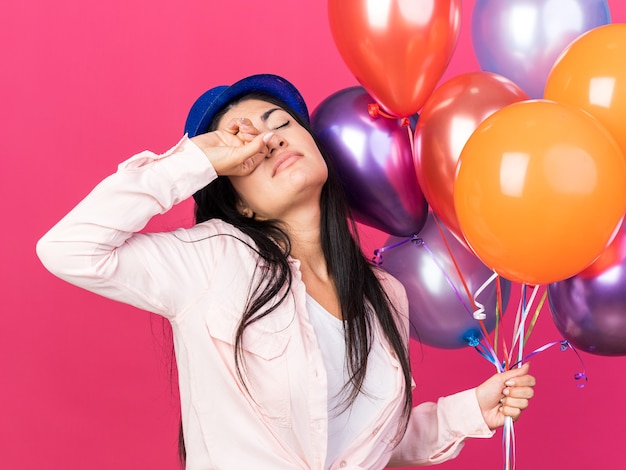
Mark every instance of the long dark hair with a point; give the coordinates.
(354, 276)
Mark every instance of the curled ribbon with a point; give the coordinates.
(374, 110)
(377, 259)
(479, 313)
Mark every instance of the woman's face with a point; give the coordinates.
(291, 177)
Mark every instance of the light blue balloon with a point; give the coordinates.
(522, 39)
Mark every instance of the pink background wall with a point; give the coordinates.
(84, 382)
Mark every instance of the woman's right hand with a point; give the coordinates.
(236, 150)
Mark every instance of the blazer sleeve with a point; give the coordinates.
(97, 245)
(437, 431)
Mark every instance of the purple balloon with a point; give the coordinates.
(589, 309)
(441, 314)
(521, 39)
(373, 158)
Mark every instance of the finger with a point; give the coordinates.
(233, 126)
(510, 376)
(526, 382)
(519, 386)
(241, 126)
(248, 165)
(247, 135)
(245, 122)
(519, 392)
(521, 403)
(511, 411)
(523, 381)
(251, 154)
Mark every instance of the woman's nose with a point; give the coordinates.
(275, 142)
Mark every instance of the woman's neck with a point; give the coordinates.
(306, 247)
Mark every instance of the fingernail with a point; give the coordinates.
(267, 137)
(509, 383)
(505, 391)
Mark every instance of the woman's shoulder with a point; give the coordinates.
(392, 286)
(397, 296)
(387, 279)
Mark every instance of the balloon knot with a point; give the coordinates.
(377, 259)
(374, 110)
(417, 240)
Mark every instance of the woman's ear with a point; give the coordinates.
(244, 210)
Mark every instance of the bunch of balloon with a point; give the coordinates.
(589, 308)
(397, 50)
(440, 309)
(521, 39)
(374, 161)
(449, 116)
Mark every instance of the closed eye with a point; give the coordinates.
(285, 124)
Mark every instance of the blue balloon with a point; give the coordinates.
(521, 39)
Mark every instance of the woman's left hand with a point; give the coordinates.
(505, 394)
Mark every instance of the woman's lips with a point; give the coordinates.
(284, 160)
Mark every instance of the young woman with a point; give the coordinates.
(291, 348)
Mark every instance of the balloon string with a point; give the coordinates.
(479, 314)
(508, 443)
(499, 312)
(411, 139)
(535, 316)
(508, 436)
(520, 321)
(564, 346)
(377, 259)
(518, 317)
(458, 269)
(460, 274)
(374, 110)
(480, 348)
(506, 361)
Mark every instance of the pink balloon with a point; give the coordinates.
(374, 160)
(448, 119)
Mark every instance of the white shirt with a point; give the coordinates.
(345, 425)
